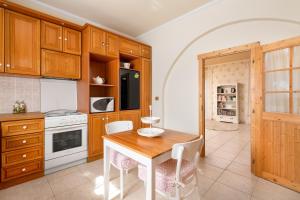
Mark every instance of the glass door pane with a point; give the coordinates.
(278, 59)
(296, 61)
(277, 102)
(277, 81)
(296, 103)
(296, 80)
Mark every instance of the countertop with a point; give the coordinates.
(21, 116)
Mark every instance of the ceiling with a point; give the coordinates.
(132, 17)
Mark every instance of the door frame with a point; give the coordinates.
(255, 93)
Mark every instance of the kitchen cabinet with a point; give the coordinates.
(146, 83)
(130, 47)
(22, 148)
(58, 38)
(22, 44)
(96, 131)
(146, 51)
(1, 40)
(132, 115)
(60, 65)
(103, 43)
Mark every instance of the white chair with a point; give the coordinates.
(118, 160)
(178, 172)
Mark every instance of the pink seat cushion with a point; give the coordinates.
(165, 174)
(121, 161)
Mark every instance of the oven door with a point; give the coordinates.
(62, 141)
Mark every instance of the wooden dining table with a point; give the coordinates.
(145, 150)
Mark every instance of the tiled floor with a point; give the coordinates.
(225, 175)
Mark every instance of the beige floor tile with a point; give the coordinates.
(225, 154)
(265, 190)
(241, 169)
(204, 184)
(223, 192)
(64, 172)
(216, 161)
(238, 182)
(209, 171)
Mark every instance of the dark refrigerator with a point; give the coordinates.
(130, 89)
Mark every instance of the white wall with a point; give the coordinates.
(220, 24)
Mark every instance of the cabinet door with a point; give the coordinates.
(134, 116)
(72, 41)
(130, 47)
(97, 41)
(60, 65)
(146, 51)
(22, 44)
(112, 42)
(1, 40)
(146, 86)
(96, 131)
(51, 36)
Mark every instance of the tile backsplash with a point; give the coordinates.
(14, 89)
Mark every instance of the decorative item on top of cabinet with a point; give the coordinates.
(22, 148)
(58, 38)
(132, 115)
(1, 40)
(60, 65)
(22, 44)
(103, 43)
(130, 47)
(96, 131)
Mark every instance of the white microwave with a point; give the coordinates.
(102, 104)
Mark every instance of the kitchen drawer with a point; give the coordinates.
(146, 51)
(21, 156)
(130, 47)
(22, 127)
(16, 171)
(22, 141)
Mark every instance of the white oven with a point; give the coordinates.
(65, 145)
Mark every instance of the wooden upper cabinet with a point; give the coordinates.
(130, 47)
(71, 41)
(146, 51)
(1, 40)
(97, 41)
(112, 44)
(22, 44)
(60, 65)
(51, 36)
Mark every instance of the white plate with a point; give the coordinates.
(150, 120)
(150, 132)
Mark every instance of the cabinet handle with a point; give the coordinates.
(24, 127)
(24, 169)
(103, 43)
(103, 118)
(0, 64)
(59, 37)
(106, 118)
(131, 51)
(24, 141)
(8, 65)
(24, 156)
(66, 39)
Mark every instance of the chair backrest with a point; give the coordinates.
(118, 126)
(187, 150)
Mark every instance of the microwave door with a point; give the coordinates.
(101, 104)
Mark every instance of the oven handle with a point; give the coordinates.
(63, 128)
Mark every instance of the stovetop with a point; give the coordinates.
(61, 118)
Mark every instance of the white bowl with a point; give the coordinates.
(150, 132)
(127, 65)
(150, 120)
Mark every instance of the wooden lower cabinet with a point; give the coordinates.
(146, 92)
(60, 65)
(22, 148)
(132, 115)
(96, 131)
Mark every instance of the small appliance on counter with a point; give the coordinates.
(101, 104)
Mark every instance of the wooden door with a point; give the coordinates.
(51, 36)
(1, 40)
(112, 42)
(22, 44)
(280, 138)
(97, 41)
(60, 65)
(132, 115)
(146, 81)
(71, 41)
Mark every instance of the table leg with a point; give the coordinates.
(106, 171)
(150, 183)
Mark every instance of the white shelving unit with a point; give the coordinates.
(228, 103)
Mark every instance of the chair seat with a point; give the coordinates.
(121, 161)
(165, 174)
